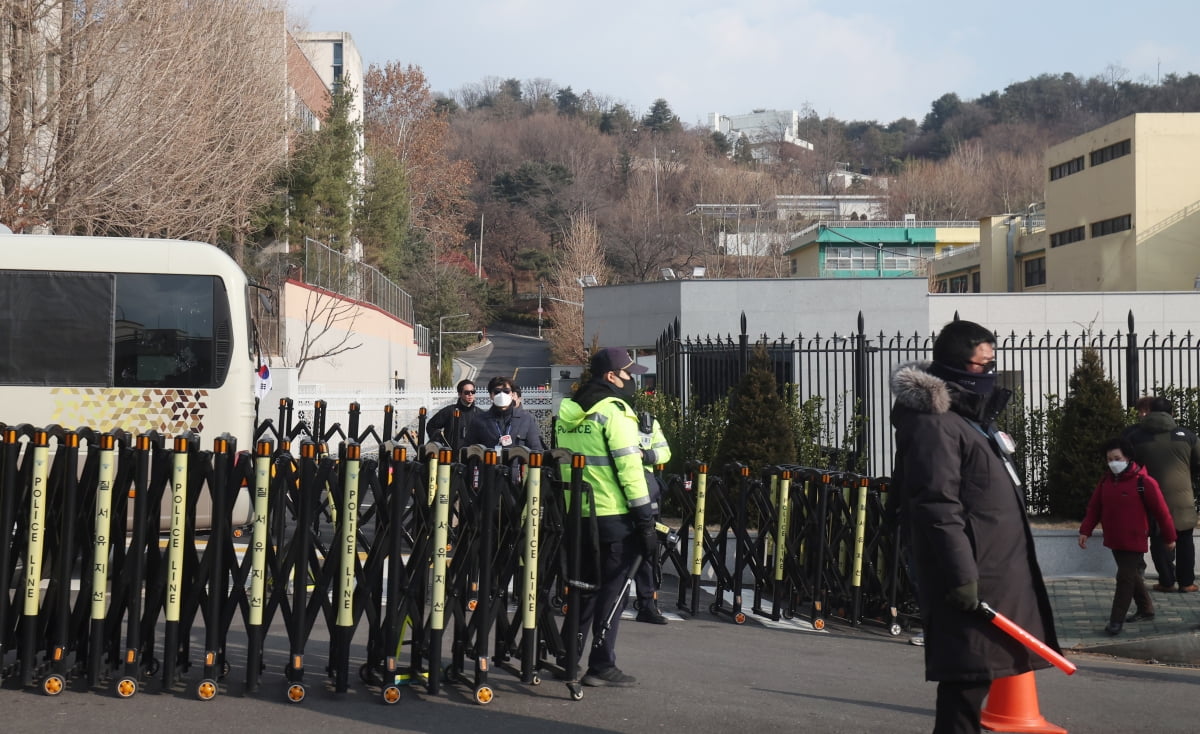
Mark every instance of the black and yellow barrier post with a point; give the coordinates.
(396, 618)
(574, 587)
(135, 575)
(214, 559)
(175, 567)
(699, 535)
(259, 538)
(34, 545)
(860, 539)
(529, 579)
(101, 537)
(441, 533)
(817, 612)
(58, 603)
(782, 483)
(298, 557)
(347, 562)
(10, 450)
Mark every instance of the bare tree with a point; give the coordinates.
(328, 330)
(581, 257)
(162, 118)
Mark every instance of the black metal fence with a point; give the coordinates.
(850, 372)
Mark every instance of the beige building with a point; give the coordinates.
(1122, 213)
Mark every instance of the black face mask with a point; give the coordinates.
(627, 391)
(981, 383)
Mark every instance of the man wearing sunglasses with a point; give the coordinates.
(598, 422)
(963, 512)
(450, 424)
(504, 424)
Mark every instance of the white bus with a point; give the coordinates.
(123, 333)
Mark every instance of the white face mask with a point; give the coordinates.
(1116, 467)
(502, 399)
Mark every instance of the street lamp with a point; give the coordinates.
(541, 289)
(440, 333)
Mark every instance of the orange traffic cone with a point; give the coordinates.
(1012, 706)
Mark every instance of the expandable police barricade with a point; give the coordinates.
(454, 564)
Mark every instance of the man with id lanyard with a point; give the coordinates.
(501, 426)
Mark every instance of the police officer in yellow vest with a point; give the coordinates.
(598, 422)
(655, 452)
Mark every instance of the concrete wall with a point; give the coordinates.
(384, 347)
(635, 315)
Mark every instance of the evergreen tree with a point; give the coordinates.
(1091, 414)
(661, 119)
(760, 430)
(321, 181)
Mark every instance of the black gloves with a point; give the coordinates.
(650, 545)
(964, 598)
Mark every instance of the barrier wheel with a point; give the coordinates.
(818, 623)
(484, 695)
(713, 608)
(576, 691)
(225, 668)
(391, 695)
(53, 684)
(295, 693)
(537, 681)
(564, 607)
(739, 618)
(894, 630)
(125, 687)
(152, 666)
(207, 690)
(472, 604)
(786, 614)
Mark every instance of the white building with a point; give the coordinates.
(760, 129)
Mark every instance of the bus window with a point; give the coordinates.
(168, 331)
(57, 328)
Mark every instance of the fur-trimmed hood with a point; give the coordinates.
(915, 388)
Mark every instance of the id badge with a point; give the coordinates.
(506, 440)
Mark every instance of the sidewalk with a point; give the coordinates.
(1081, 607)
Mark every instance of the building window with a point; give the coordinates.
(795, 266)
(958, 284)
(1109, 226)
(1109, 152)
(976, 284)
(1035, 271)
(1075, 165)
(1067, 236)
(901, 258)
(850, 258)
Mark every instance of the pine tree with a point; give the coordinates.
(760, 430)
(1091, 414)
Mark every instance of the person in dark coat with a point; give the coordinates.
(1124, 502)
(964, 511)
(1171, 454)
(450, 429)
(504, 424)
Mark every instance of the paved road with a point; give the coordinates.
(525, 359)
(699, 675)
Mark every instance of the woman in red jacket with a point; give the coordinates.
(1124, 501)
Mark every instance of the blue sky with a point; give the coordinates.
(866, 60)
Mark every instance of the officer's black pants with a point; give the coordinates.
(615, 561)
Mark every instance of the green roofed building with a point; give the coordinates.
(875, 249)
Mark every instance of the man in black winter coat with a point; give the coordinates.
(450, 428)
(964, 510)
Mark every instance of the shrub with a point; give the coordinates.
(1091, 414)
